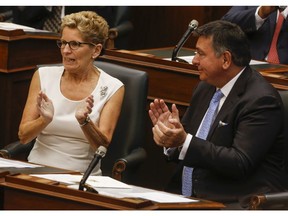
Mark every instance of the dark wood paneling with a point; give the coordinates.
(161, 26)
(20, 54)
(13, 94)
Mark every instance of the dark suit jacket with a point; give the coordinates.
(260, 39)
(243, 153)
(32, 16)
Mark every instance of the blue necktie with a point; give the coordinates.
(203, 132)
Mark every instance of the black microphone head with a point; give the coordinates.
(193, 24)
(101, 151)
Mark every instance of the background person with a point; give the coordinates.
(259, 24)
(118, 18)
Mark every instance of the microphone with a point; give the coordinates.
(191, 27)
(99, 154)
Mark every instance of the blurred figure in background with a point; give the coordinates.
(266, 28)
(118, 18)
(49, 18)
(6, 14)
(32, 16)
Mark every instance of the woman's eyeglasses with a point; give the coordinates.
(74, 45)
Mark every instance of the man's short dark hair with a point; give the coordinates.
(227, 36)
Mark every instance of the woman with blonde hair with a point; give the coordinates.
(73, 109)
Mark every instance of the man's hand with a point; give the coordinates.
(159, 112)
(168, 130)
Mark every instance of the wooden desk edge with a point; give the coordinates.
(51, 188)
(19, 34)
(55, 189)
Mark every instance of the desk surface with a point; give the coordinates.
(166, 52)
(22, 191)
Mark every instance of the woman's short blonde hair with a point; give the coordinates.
(93, 27)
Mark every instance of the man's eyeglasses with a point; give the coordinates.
(74, 45)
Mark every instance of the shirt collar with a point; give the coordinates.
(227, 88)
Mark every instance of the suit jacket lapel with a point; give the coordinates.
(237, 90)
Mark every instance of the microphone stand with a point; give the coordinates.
(100, 153)
(192, 26)
(87, 173)
(175, 53)
(177, 59)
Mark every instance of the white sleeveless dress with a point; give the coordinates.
(62, 143)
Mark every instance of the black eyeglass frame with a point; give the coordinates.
(60, 44)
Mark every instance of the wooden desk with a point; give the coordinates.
(25, 192)
(20, 53)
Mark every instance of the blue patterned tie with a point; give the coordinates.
(203, 132)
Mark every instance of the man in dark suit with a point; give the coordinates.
(32, 16)
(259, 24)
(243, 151)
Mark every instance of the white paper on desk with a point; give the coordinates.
(111, 187)
(106, 182)
(186, 58)
(94, 181)
(16, 164)
(256, 62)
(144, 193)
(161, 197)
(190, 58)
(13, 26)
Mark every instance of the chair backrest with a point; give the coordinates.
(284, 96)
(130, 131)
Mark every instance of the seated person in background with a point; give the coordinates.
(259, 24)
(32, 16)
(6, 14)
(241, 151)
(73, 109)
(118, 18)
